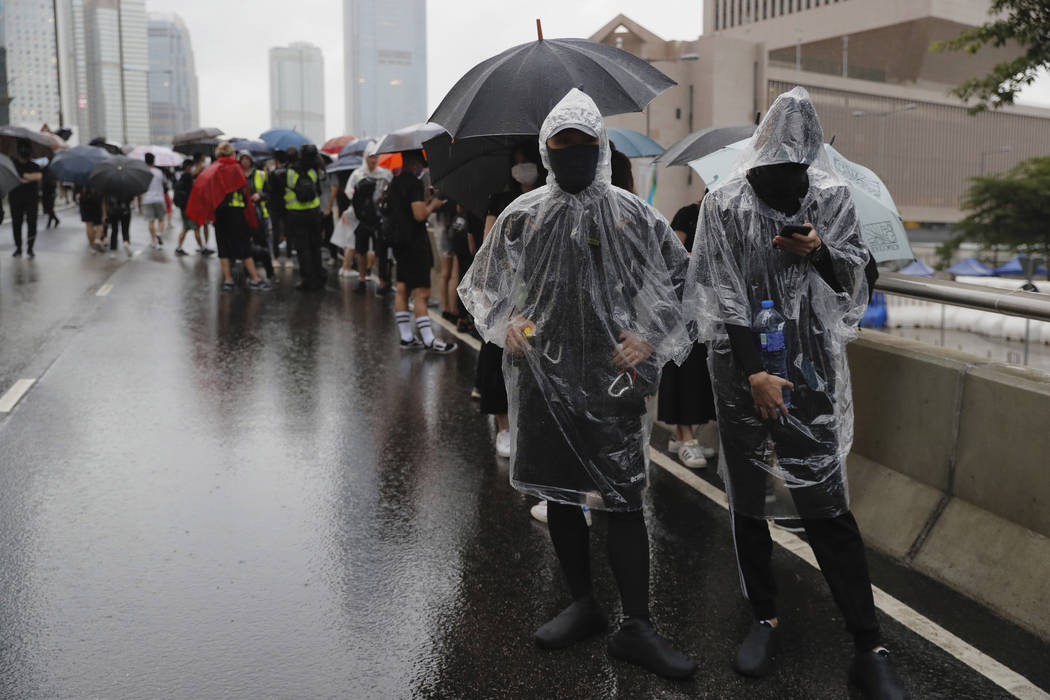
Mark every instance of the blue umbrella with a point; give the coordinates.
(345, 163)
(354, 148)
(917, 268)
(260, 150)
(971, 267)
(283, 138)
(634, 144)
(75, 164)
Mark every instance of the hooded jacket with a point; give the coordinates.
(586, 269)
(734, 267)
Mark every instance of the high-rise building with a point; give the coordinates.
(385, 55)
(173, 106)
(111, 72)
(297, 89)
(28, 28)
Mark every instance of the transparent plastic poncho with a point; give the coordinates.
(589, 270)
(794, 466)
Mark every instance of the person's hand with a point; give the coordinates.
(519, 330)
(799, 245)
(767, 390)
(631, 350)
(256, 197)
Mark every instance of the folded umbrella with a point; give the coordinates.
(75, 164)
(633, 144)
(355, 148)
(163, 157)
(880, 222)
(471, 170)
(9, 177)
(410, 138)
(120, 177)
(210, 188)
(39, 144)
(701, 143)
(513, 92)
(284, 138)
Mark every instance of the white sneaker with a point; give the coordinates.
(539, 512)
(692, 455)
(127, 249)
(503, 443)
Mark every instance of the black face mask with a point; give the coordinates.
(782, 186)
(574, 167)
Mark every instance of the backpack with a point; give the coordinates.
(182, 191)
(305, 188)
(364, 202)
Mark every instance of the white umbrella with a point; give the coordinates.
(880, 222)
(163, 156)
(410, 138)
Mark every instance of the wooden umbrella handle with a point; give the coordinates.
(539, 29)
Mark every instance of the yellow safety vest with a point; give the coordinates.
(258, 185)
(291, 203)
(236, 199)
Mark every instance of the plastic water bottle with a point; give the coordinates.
(769, 329)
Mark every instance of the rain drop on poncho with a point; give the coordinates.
(778, 468)
(587, 269)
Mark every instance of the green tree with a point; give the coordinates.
(1023, 22)
(1011, 209)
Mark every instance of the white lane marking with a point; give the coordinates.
(104, 290)
(1004, 677)
(451, 328)
(9, 399)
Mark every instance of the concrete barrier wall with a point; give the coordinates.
(950, 471)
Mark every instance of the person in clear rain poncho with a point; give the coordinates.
(580, 283)
(785, 455)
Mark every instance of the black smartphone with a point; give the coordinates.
(792, 229)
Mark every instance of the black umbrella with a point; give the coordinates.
(207, 132)
(512, 93)
(9, 177)
(471, 170)
(205, 147)
(111, 148)
(120, 177)
(704, 142)
(75, 164)
(39, 145)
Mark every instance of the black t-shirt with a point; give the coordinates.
(685, 220)
(27, 192)
(403, 190)
(500, 201)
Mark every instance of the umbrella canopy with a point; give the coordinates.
(345, 163)
(410, 138)
(917, 268)
(513, 92)
(633, 144)
(9, 177)
(701, 143)
(471, 170)
(260, 150)
(213, 184)
(355, 148)
(163, 156)
(334, 146)
(75, 164)
(111, 148)
(283, 138)
(120, 177)
(57, 143)
(971, 267)
(205, 147)
(880, 222)
(39, 144)
(202, 134)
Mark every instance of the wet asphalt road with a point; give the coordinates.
(247, 495)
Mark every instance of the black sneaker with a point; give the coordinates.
(449, 316)
(440, 347)
(758, 651)
(30, 254)
(207, 251)
(414, 344)
(385, 291)
(227, 286)
(17, 253)
(582, 619)
(180, 251)
(873, 673)
(638, 643)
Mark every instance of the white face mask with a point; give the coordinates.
(525, 173)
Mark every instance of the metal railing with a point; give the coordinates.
(1030, 306)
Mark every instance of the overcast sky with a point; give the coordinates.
(231, 40)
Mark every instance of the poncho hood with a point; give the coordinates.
(789, 133)
(577, 110)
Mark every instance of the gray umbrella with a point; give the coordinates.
(75, 164)
(38, 143)
(120, 177)
(9, 178)
(410, 138)
(701, 143)
(207, 132)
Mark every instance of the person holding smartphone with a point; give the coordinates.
(784, 229)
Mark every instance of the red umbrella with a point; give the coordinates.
(335, 145)
(211, 187)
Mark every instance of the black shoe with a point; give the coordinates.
(873, 673)
(582, 619)
(30, 254)
(228, 286)
(385, 291)
(638, 643)
(414, 344)
(180, 251)
(17, 253)
(361, 288)
(758, 651)
(449, 316)
(439, 347)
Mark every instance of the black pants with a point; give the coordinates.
(839, 549)
(386, 265)
(24, 211)
(124, 223)
(303, 229)
(628, 550)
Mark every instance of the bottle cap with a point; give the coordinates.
(767, 304)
